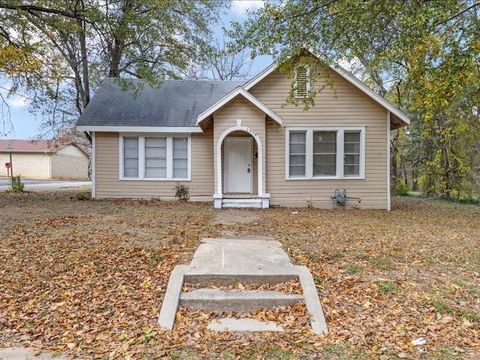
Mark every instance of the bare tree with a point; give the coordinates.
(221, 63)
(5, 116)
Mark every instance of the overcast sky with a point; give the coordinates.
(26, 127)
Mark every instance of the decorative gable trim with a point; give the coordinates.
(344, 73)
(227, 98)
(302, 90)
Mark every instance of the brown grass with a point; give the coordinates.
(87, 278)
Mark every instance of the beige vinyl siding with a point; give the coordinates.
(108, 185)
(239, 109)
(342, 105)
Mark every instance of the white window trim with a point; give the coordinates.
(340, 152)
(141, 157)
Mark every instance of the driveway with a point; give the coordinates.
(47, 185)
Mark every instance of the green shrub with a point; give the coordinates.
(402, 188)
(386, 287)
(182, 192)
(17, 184)
(83, 195)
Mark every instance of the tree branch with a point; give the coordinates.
(457, 14)
(35, 8)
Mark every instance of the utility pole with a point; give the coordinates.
(10, 149)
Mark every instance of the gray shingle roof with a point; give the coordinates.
(173, 103)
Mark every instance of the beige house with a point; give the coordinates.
(41, 159)
(240, 145)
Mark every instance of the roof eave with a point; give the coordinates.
(369, 92)
(141, 129)
(227, 98)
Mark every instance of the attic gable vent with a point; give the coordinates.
(302, 81)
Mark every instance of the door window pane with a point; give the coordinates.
(297, 147)
(351, 151)
(180, 158)
(130, 157)
(156, 158)
(324, 153)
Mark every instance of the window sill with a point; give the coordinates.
(325, 178)
(154, 179)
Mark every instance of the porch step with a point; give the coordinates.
(236, 300)
(242, 203)
(243, 325)
(197, 277)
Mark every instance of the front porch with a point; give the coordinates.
(240, 170)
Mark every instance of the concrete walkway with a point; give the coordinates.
(231, 261)
(21, 353)
(47, 185)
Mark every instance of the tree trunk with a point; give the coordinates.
(84, 60)
(119, 41)
(394, 171)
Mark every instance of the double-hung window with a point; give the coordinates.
(180, 157)
(130, 157)
(155, 157)
(325, 153)
(297, 153)
(351, 153)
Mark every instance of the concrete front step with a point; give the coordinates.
(236, 300)
(225, 279)
(242, 203)
(230, 261)
(243, 325)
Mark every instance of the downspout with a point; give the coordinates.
(389, 205)
(93, 160)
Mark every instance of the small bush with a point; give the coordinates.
(83, 195)
(402, 188)
(382, 262)
(386, 287)
(182, 192)
(17, 184)
(353, 269)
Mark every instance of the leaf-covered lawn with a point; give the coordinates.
(87, 278)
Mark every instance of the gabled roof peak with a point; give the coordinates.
(344, 73)
(227, 98)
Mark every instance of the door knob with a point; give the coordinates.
(248, 170)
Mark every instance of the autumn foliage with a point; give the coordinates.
(87, 278)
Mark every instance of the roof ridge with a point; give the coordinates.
(179, 80)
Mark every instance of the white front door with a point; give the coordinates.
(238, 165)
